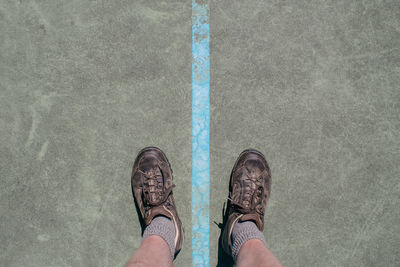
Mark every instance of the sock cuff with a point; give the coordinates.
(164, 228)
(242, 232)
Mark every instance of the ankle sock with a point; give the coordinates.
(163, 227)
(242, 232)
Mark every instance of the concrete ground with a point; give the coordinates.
(314, 85)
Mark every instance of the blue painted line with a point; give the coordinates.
(200, 133)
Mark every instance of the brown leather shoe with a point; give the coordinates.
(249, 191)
(152, 190)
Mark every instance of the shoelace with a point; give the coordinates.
(155, 186)
(252, 190)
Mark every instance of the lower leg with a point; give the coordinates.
(249, 247)
(255, 254)
(157, 248)
(153, 252)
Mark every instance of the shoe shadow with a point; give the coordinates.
(141, 221)
(224, 260)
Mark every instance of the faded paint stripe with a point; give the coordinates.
(200, 133)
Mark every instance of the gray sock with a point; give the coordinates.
(163, 227)
(242, 232)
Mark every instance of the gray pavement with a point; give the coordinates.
(84, 86)
(314, 85)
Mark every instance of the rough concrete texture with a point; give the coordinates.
(84, 86)
(312, 84)
(315, 86)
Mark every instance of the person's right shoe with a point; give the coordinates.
(249, 191)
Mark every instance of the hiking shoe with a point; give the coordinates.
(152, 190)
(249, 191)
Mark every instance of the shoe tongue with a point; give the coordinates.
(154, 181)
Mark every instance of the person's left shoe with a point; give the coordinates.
(152, 190)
